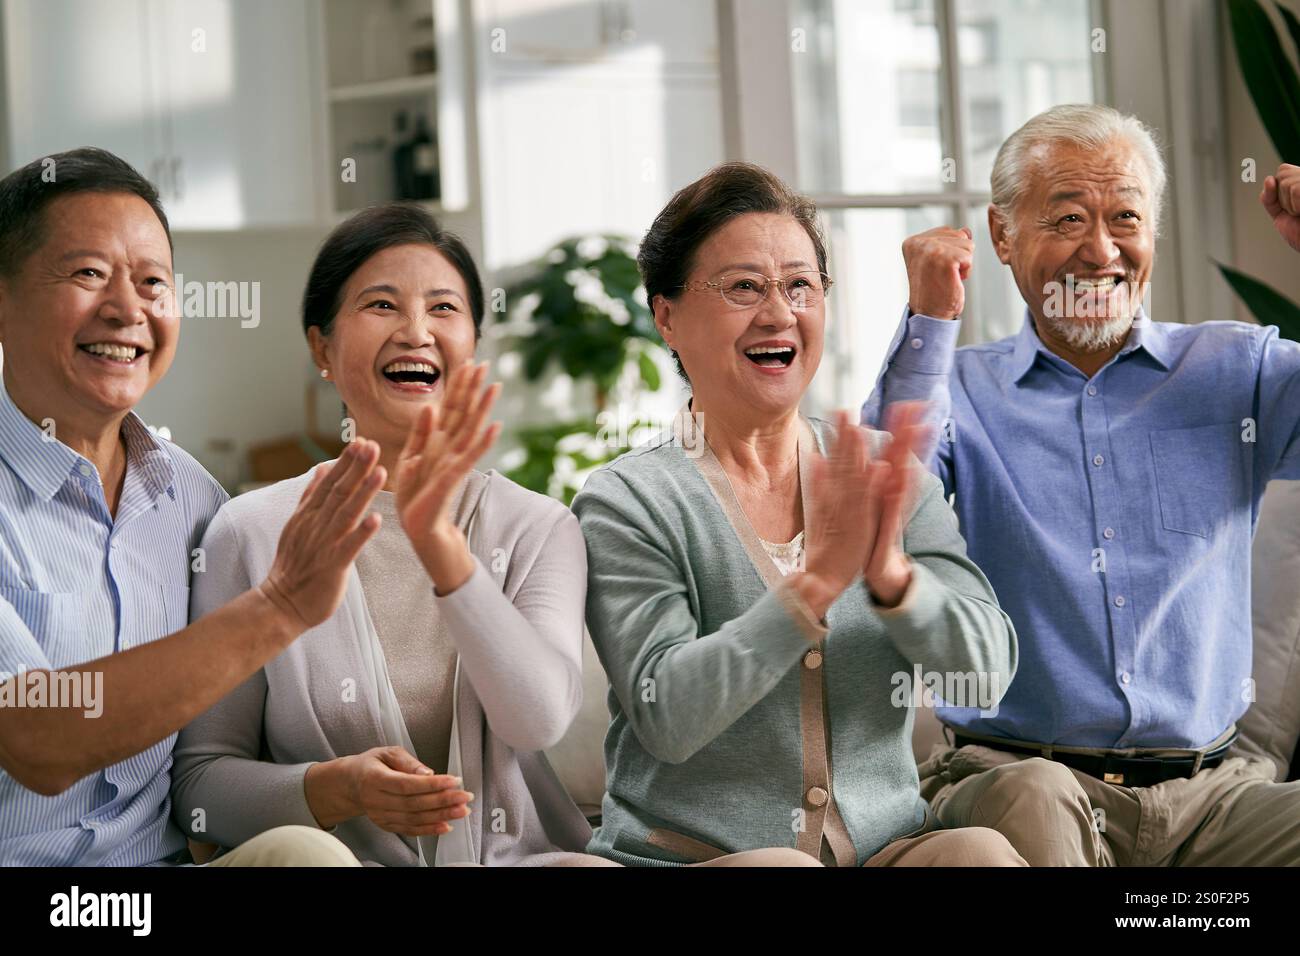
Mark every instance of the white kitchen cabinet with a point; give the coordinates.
(584, 131)
(212, 100)
(78, 73)
(606, 163)
(238, 101)
(674, 32)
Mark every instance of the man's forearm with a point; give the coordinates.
(916, 368)
(148, 692)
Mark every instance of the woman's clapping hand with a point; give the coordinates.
(856, 509)
(442, 447)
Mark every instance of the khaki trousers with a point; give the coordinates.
(1230, 815)
(289, 846)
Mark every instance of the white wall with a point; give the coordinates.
(231, 382)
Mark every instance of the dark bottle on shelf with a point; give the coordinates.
(403, 161)
(424, 161)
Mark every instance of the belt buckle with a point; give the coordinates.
(1108, 775)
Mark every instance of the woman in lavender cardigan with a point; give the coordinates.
(412, 722)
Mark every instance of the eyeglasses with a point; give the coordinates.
(742, 290)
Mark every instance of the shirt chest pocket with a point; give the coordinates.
(57, 621)
(176, 604)
(158, 610)
(1202, 476)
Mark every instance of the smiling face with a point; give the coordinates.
(1083, 244)
(89, 322)
(758, 358)
(404, 325)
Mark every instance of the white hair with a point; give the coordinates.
(1085, 125)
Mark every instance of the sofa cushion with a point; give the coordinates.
(1271, 726)
(579, 758)
(928, 731)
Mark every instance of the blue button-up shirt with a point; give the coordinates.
(75, 585)
(1112, 514)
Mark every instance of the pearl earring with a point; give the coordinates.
(324, 373)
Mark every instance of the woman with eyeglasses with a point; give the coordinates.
(761, 585)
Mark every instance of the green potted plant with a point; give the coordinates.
(1275, 90)
(584, 313)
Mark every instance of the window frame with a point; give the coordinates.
(1163, 63)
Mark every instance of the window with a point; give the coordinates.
(899, 107)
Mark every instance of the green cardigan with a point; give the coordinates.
(707, 655)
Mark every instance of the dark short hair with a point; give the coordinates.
(26, 192)
(697, 211)
(370, 231)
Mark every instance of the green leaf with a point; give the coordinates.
(649, 371)
(580, 340)
(1269, 75)
(1266, 304)
(1292, 25)
(535, 358)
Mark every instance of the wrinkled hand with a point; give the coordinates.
(442, 447)
(397, 793)
(1281, 199)
(839, 508)
(895, 481)
(856, 510)
(937, 261)
(324, 535)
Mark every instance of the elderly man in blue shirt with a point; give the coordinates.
(99, 524)
(1107, 471)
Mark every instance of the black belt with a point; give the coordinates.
(1113, 768)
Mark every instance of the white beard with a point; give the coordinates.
(1090, 334)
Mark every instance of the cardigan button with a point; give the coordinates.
(817, 796)
(813, 659)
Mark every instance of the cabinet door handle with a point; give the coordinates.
(177, 182)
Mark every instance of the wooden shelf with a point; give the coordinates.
(360, 114)
(385, 89)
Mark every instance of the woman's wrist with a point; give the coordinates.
(887, 590)
(328, 787)
(446, 557)
(816, 591)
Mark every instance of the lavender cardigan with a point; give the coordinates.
(517, 625)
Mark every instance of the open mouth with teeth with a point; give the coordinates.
(1098, 286)
(412, 373)
(112, 352)
(765, 356)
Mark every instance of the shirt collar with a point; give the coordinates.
(44, 464)
(1151, 338)
(1145, 335)
(1028, 345)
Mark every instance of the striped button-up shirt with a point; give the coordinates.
(1112, 514)
(77, 584)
